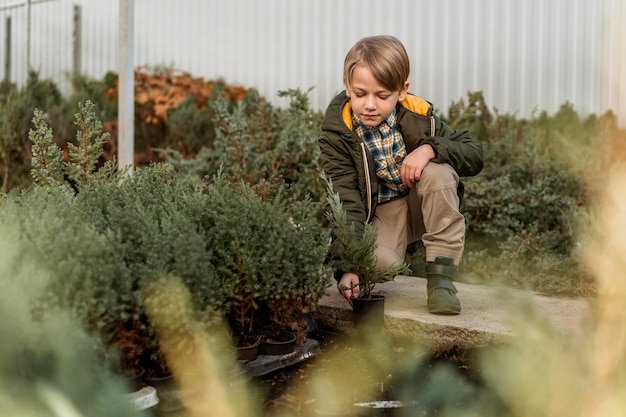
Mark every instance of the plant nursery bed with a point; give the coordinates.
(265, 364)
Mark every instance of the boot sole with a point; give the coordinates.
(444, 310)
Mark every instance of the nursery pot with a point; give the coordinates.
(167, 391)
(277, 343)
(247, 347)
(134, 380)
(369, 313)
(173, 399)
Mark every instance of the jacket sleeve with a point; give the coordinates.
(339, 165)
(456, 148)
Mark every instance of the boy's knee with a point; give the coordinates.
(437, 176)
(386, 257)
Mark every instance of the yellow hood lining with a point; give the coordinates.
(413, 103)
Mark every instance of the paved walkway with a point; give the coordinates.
(484, 319)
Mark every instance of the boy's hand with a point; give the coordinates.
(414, 163)
(349, 285)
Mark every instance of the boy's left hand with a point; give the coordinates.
(414, 163)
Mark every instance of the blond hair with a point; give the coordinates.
(384, 56)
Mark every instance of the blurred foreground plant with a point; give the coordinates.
(48, 366)
(524, 210)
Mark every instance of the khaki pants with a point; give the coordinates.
(430, 212)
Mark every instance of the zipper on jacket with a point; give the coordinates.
(432, 126)
(368, 183)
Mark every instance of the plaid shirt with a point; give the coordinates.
(387, 146)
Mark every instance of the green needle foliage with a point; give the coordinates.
(49, 169)
(84, 156)
(10, 105)
(356, 253)
(47, 162)
(525, 209)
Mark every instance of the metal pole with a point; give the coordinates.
(126, 84)
(7, 49)
(28, 35)
(77, 41)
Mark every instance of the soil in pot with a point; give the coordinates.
(277, 343)
(369, 313)
(247, 347)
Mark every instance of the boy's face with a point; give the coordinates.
(371, 102)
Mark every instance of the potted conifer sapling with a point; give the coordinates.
(357, 254)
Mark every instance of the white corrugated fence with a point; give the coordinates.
(525, 55)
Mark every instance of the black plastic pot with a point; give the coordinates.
(135, 380)
(277, 343)
(369, 313)
(247, 347)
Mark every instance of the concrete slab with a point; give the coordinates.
(484, 319)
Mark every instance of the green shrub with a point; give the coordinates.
(10, 140)
(524, 209)
(255, 141)
(136, 224)
(97, 91)
(146, 215)
(191, 128)
(525, 206)
(235, 246)
(49, 361)
(265, 244)
(102, 244)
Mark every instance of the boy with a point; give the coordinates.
(396, 165)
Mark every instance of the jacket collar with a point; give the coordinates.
(412, 103)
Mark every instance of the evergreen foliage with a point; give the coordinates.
(522, 211)
(525, 208)
(192, 128)
(237, 229)
(356, 253)
(84, 156)
(234, 246)
(43, 94)
(10, 143)
(59, 115)
(145, 214)
(87, 89)
(48, 366)
(47, 161)
(134, 225)
(266, 245)
(49, 168)
(255, 141)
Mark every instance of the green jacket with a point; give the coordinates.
(350, 165)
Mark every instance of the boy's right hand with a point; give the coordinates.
(349, 285)
(414, 163)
